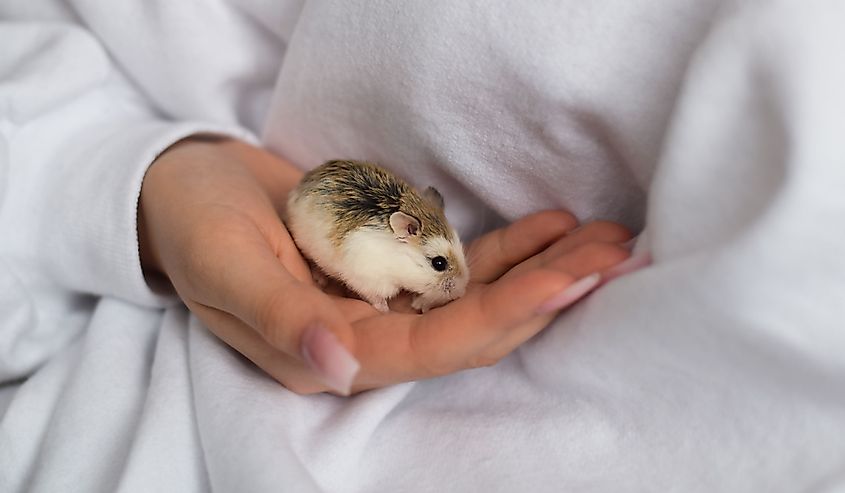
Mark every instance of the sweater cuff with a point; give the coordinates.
(97, 242)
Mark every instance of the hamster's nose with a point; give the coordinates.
(457, 287)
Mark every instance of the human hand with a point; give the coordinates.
(521, 277)
(209, 222)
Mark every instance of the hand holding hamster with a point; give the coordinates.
(220, 242)
(368, 228)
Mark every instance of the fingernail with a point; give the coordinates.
(630, 244)
(327, 357)
(635, 262)
(571, 294)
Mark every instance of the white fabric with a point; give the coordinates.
(717, 126)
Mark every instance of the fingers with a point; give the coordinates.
(291, 372)
(292, 316)
(494, 253)
(477, 330)
(585, 262)
(599, 232)
(636, 262)
(483, 326)
(455, 336)
(240, 274)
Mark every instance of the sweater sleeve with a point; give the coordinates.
(76, 138)
(89, 97)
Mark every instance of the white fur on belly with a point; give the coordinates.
(370, 262)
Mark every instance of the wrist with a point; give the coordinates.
(150, 261)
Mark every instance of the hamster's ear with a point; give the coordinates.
(432, 195)
(404, 226)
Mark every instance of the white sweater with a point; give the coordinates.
(717, 126)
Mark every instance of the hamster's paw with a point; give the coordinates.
(378, 302)
(380, 305)
(421, 303)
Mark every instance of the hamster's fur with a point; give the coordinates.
(373, 231)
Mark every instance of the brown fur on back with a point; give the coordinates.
(361, 194)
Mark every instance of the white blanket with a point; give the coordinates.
(715, 126)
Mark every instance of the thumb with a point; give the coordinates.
(290, 315)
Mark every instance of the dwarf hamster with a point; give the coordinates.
(373, 231)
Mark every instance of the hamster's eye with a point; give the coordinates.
(439, 263)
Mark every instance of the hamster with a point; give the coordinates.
(373, 231)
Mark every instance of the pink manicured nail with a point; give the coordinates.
(570, 295)
(329, 359)
(630, 244)
(635, 262)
